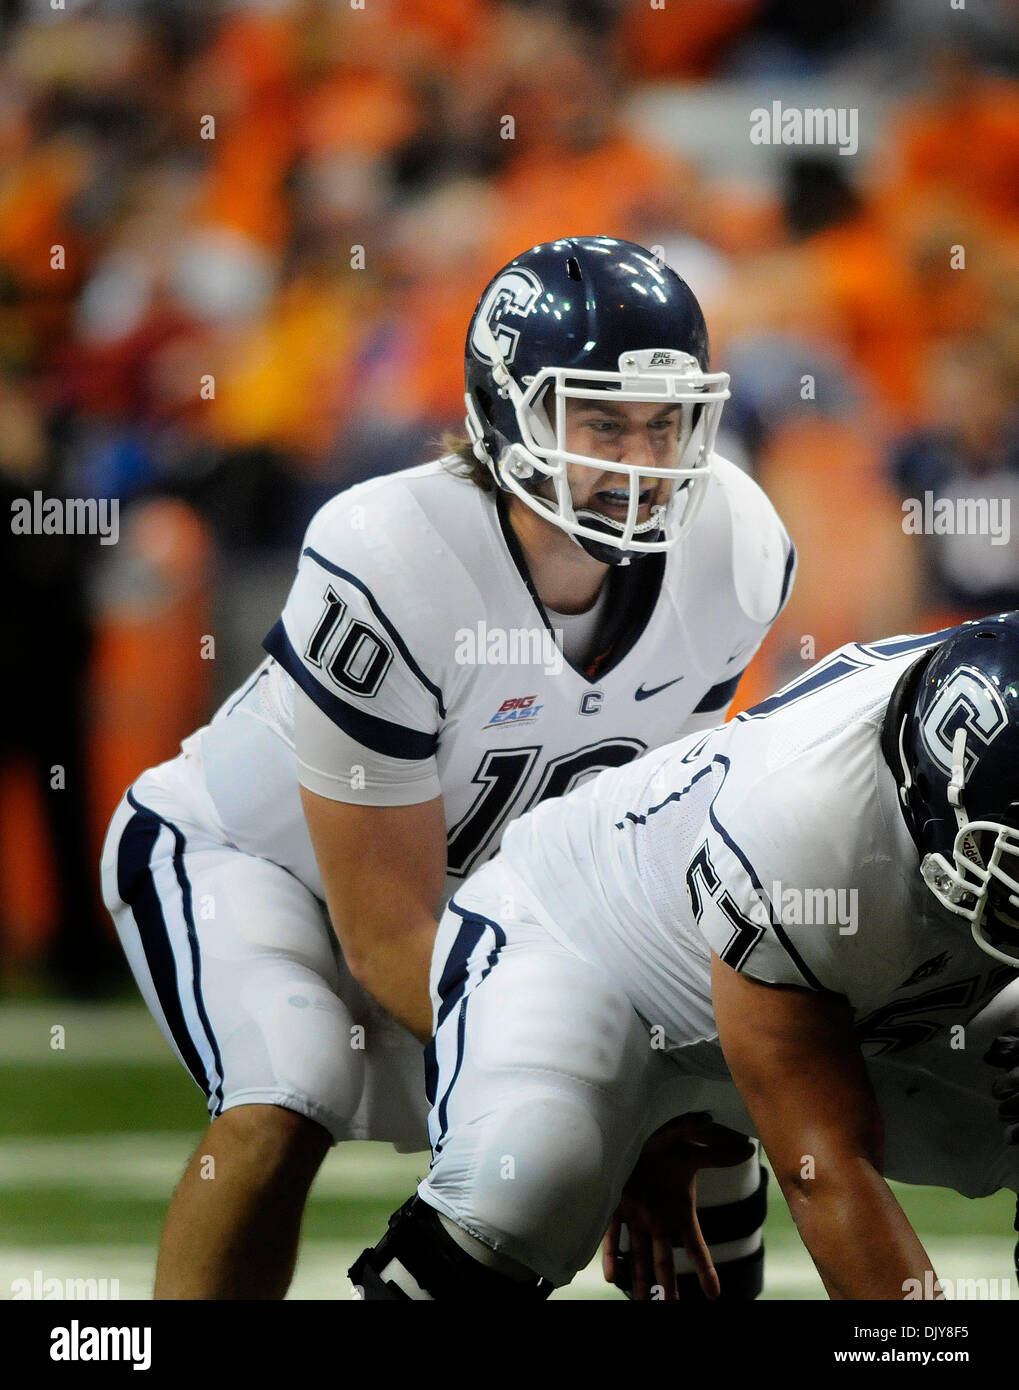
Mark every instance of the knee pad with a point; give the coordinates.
(289, 1041)
(539, 1192)
(417, 1260)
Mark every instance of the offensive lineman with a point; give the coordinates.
(680, 896)
(454, 649)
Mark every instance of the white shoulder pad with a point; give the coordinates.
(381, 531)
(763, 560)
(368, 629)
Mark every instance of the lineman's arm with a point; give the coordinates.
(383, 868)
(794, 1059)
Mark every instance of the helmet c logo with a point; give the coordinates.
(516, 291)
(966, 700)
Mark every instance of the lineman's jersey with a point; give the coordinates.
(419, 646)
(775, 841)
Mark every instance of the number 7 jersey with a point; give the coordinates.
(413, 658)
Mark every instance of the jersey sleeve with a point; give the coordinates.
(754, 883)
(713, 706)
(345, 640)
(734, 912)
(763, 555)
(755, 562)
(338, 767)
(715, 703)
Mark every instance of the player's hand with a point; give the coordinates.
(1004, 1053)
(658, 1206)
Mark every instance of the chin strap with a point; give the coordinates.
(907, 780)
(935, 869)
(934, 866)
(957, 785)
(957, 782)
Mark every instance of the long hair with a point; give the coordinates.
(462, 463)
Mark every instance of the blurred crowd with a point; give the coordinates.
(240, 244)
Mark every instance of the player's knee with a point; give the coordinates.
(419, 1260)
(268, 1142)
(538, 1189)
(300, 1044)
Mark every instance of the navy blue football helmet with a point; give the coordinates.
(574, 319)
(958, 745)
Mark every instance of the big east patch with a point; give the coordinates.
(518, 710)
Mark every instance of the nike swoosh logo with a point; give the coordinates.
(641, 694)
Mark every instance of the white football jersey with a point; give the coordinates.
(775, 840)
(414, 632)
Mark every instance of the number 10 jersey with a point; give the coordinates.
(413, 658)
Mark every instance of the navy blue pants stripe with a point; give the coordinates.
(137, 888)
(452, 987)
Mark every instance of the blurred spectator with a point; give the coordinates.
(686, 39)
(790, 38)
(862, 278)
(954, 147)
(44, 703)
(969, 452)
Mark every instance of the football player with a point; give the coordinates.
(584, 580)
(792, 923)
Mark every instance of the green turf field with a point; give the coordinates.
(94, 1135)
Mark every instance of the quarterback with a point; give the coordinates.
(586, 579)
(644, 947)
